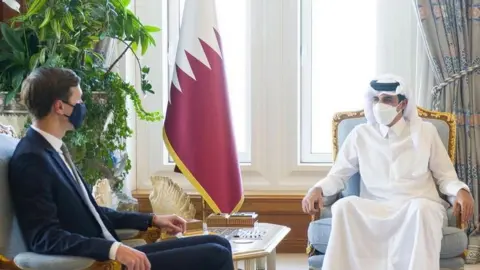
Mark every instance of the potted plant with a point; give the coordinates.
(73, 34)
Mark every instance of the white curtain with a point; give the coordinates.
(401, 49)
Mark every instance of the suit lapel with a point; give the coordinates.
(40, 140)
(71, 180)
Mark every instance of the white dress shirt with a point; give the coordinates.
(57, 144)
(391, 168)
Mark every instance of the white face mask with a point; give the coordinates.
(384, 114)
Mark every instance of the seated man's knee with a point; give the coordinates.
(218, 252)
(344, 204)
(423, 205)
(222, 241)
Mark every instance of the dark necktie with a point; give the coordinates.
(68, 159)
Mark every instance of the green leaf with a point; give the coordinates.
(42, 56)
(144, 44)
(81, 13)
(72, 47)
(42, 34)
(134, 46)
(151, 40)
(13, 38)
(19, 57)
(69, 21)
(10, 96)
(34, 61)
(56, 29)
(35, 7)
(6, 56)
(151, 29)
(88, 59)
(17, 81)
(125, 3)
(48, 17)
(128, 27)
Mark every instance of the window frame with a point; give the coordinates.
(305, 130)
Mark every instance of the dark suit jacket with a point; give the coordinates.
(52, 214)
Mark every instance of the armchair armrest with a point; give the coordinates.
(458, 217)
(327, 201)
(127, 234)
(30, 260)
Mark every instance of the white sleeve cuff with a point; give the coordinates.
(329, 187)
(453, 188)
(113, 250)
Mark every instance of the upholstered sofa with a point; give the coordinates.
(13, 252)
(454, 240)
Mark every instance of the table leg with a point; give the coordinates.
(272, 260)
(235, 265)
(261, 263)
(249, 264)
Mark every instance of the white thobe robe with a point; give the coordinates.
(396, 222)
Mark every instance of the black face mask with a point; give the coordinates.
(78, 114)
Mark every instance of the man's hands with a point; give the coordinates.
(172, 223)
(463, 204)
(132, 258)
(314, 195)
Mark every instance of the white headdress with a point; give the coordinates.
(393, 85)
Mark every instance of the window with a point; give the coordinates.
(234, 25)
(338, 54)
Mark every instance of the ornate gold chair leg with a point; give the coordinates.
(6, 264)
(107, 265)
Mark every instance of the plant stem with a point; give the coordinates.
(120, 56)
(134, 54)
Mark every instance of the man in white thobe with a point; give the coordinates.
(396, 222)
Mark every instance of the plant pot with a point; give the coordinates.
(15, 107)
(99, 97)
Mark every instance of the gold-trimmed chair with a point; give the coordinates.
(13, 252)
(454, 241)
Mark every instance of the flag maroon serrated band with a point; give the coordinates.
(186, 172)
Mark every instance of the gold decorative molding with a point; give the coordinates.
(151, 235)
(6, 264)
(107, 265)
(448, 118)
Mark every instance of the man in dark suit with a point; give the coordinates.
(55, 209)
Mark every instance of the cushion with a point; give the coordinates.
(11, 240)
(454, 240)
(125, 234)
(29, 260)
(134, 242)
(319, 233)
(315, 262)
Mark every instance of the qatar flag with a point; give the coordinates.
(198, 131)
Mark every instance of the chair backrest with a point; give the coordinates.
(11, 239)
(344, 122)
